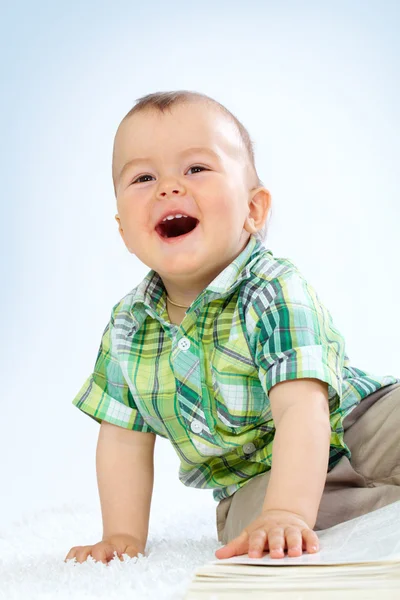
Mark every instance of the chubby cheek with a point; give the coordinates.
(134, 218)
(213, 199)
(223, 209)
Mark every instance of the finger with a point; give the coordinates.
(235, 547)
(276, 542)
(310, 541)
(82, 553)
(257, 542)
(293, 541)
(130, 551)
(71, 553)
(103, 552)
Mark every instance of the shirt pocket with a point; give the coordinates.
(238, 396)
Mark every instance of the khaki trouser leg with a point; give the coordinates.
(353, 488)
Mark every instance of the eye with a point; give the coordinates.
(139, 179)
(198, 167)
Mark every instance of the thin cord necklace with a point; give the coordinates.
(175, 304)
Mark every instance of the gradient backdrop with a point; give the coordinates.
(316, 84)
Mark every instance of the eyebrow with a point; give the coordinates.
(183, 153)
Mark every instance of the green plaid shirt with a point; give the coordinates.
(204, 384)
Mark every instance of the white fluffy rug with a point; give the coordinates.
(32, 553)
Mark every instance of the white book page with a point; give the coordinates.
(373, 537)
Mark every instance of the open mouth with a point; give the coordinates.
(175, 228)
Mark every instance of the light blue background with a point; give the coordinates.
(315, 83)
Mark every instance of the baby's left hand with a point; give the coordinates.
(274, 530)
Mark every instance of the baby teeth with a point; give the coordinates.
(177, 216)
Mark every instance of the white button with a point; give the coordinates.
(249, 448)
(196, 426)
(184, 344)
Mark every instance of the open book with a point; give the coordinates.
(358, 560)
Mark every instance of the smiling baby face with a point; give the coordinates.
(189, 160)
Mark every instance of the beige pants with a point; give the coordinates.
(353, 488)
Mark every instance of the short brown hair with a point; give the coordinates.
(165, 100)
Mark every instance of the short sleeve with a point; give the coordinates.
(105, 395)
(297, 338)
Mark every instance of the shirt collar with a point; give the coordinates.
(150, 294)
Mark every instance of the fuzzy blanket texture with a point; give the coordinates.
(32, 552)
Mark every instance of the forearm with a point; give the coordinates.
(300, 457)
(125, 475)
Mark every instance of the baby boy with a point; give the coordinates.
(226, 351)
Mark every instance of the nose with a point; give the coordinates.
(170, 187)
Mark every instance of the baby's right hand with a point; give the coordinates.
(104, 551)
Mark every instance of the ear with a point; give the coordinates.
(259, 207)
(121, 231)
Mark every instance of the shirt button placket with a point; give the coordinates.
(184, 345)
